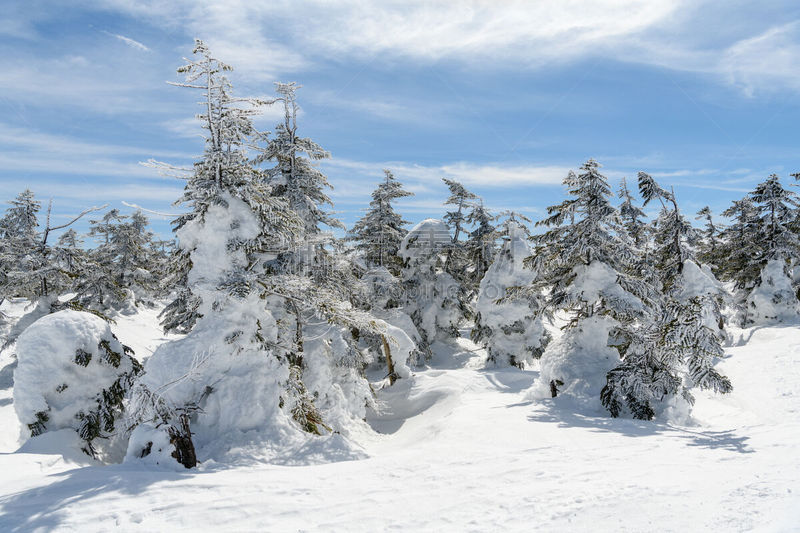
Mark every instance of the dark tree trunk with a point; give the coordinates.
(181, 438)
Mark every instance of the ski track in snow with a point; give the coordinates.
(460, 448)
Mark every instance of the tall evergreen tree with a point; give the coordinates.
(760, 248)
(710, 237)
(380, 231)
(510, 329)
(586, 261)
(294, 177)
(632, 216)
(673, 235)
(479, 248)
(680, 335)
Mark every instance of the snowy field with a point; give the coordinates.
(457, 448)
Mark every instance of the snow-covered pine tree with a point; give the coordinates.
(455, 262)
(20, 243)
(673, 235)
(224, 166)
(586, 261)
(380, 231)
(676, 344)
(710, 236)
(272, 354)
(122, 266)
(294, 176)
(772, 298)
(98, 288)
(34, 272)
(632, 216)
(739, 249)
(313, 278)
(479, 249)
(402, 342)
(231, 357)
(680, 336)
(433, 298)
(510, 329)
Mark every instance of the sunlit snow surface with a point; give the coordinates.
(458, 448)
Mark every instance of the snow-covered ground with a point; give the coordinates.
(458, 448)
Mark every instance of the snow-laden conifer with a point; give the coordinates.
(760, 248)
(584, 260)
(680, 335)
(380, 231)
(479, 249)
(511, 329)
(433, 298)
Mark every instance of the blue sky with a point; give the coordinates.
(504, 96)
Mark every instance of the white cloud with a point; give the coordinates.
(349, 177)
(31, 151)
(130, 42)
(269, 38)
(770, 58)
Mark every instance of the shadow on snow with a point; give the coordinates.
(726, 440)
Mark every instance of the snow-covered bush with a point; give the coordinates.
(510, 329)
(433, 299)
(73, 373)
(773, 300)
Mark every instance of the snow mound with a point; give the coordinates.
(577, 363)
(597, 281)
(773, 301)
(72, 374)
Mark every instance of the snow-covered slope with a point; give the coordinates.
(462, 448)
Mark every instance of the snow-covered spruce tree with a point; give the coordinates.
(268, 355)
(380, 231)
(224, 166)
(758, 248)
(315, 268)
(455, 262)
(34, 272)
(681, 275)
(680, 337)
(479, 248)
(673, 235)
(73, 374)
(772, 298)
(227, 375)
(402, 341)
(673, 346)
(585, 260)
(632, 216)
(511, 329)
(20, 242)
(710, 237)
(433, 298)
(122, 266)
(294, 176)
(739, 249)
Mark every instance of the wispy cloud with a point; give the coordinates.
(130, 42)
(33, 152)
(265, 38)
